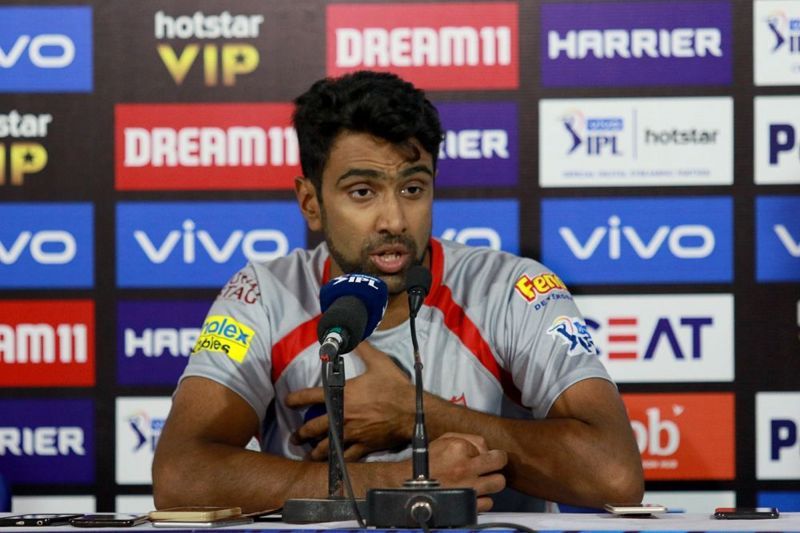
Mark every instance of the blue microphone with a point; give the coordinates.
(352, 307)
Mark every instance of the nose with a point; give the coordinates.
(391, 217)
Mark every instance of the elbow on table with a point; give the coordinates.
(625, 483)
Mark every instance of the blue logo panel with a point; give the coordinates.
(46, 245)
(201, 244)
(46, 49)
(492, 223)
(155, 339)
(778, 238)
(639, 240)
(47, 441)
(786, 501)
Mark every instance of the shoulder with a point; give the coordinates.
(471, 271)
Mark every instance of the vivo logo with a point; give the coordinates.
(474, 237)
(32, 46)
(790, 243)
(191, 239)
(47, 247)
(686, 241)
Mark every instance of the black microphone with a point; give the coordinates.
(341, 327)
(353, 306)
(418, 283)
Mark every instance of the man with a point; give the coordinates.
(516, 394)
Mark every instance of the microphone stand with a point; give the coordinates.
(336, 507)
(420, 502)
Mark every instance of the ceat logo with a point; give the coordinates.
(647, 338)
(47, 343)
(434, 46)
(684, 436)
(205, 146)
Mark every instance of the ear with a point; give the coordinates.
(309, 202)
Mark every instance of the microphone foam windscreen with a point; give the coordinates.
(418, 276)
(372, 292)
(348, 313)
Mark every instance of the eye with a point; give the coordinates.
(413, 190)
(360, 193)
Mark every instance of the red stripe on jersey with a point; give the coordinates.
(290, 346)
(460, 324)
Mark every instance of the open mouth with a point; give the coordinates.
(390, 260)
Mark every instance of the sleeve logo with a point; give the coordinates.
(225, 335)
(528, 288)
(572, 332)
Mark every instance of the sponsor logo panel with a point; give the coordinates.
(692, 501)
(480, 146)
(46, 49)
(777, 238)
(786, 501)
(46, 245)
(47, 343)
(218, 47)
(199, 244)
(641, 240)
(776, 42)
(205, 146)
(54, 504)
(47, 441)
(139, 424)
(491, 223)
(663, 338)
(435, 46)
(684, 436)
(636, 43)
(636, 141)
(154, 339)
(777, 139)
(777, 444)
(21, 152)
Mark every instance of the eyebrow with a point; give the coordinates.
(374, 174)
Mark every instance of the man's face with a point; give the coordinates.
(376, 206)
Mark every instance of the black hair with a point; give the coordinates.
(377, 103)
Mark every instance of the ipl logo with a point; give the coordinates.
(596, 135)
(786, 31)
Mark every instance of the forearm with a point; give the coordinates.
(219, 474)
(561, 459)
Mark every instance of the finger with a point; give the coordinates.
(313, 429)
(484, 504)
(476, 440)
(303, 397)
(320, 451)
(491, 461)
(355, 452)
(490, 484)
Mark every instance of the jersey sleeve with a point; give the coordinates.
(234, 345)
(545, 344)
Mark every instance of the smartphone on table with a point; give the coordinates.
(745, 513)
(37, 519)
(634, 509)
(109, 520)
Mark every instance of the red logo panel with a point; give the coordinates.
(435, 46)
(684, 436)
(47, 343)
(205, 146)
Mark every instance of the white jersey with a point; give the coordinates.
(497, 333)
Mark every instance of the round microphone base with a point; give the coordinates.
(312, 510)
(407, 506)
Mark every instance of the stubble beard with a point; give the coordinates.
(395, 283)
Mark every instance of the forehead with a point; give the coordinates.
(362, 150)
